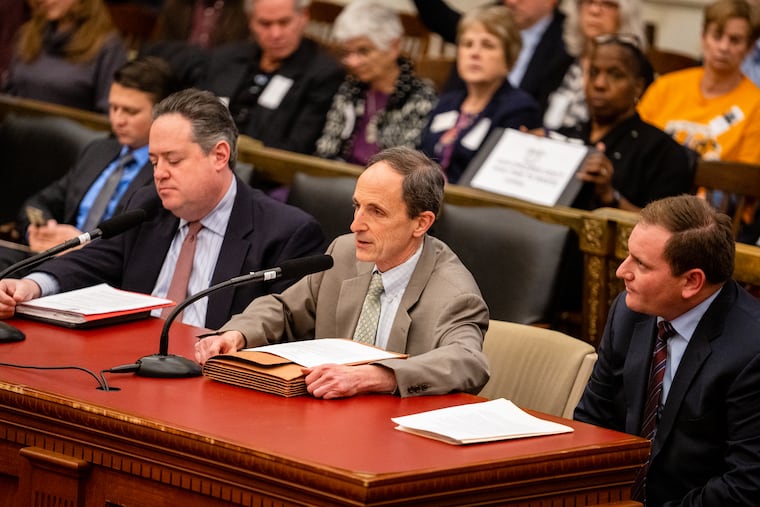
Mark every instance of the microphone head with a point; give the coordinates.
(297, 268)
(121, 223)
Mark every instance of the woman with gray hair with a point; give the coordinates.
(587, 19)
(381, 103)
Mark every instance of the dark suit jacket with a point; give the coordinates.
(60, 200)
(297, 123)
(707, 445)
(509, 108)
(261, 233)
(546, 68)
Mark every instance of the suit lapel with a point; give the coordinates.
(422, 272)
(636, 371)
(233, 253)
(696, 353)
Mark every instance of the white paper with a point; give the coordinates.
(310, 353)
(529, 167)
(96, 300)
(478, 422)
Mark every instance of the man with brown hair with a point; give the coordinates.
(693, 387)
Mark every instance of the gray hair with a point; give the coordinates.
(370, 19)
(209, 118)
(299, 5)
(630, 21)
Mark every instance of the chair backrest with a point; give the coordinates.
(537, 368)
(664, 61)
(328, 199)
(34, 152)
(732, 187)
(515, 259)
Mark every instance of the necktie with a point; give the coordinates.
(366, 328)
(650, 415)
(98, 208)
(184, 266)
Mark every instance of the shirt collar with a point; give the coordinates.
(686, 323)
(216, 220)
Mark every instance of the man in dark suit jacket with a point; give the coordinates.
(63, 207)
(191, 141)
(543, 59)
(280, 87)
(707, 435)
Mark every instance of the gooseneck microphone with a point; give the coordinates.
(165, 365)
(105, 230)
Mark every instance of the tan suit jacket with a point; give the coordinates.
(440, 322)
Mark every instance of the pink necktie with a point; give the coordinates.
(183, 267)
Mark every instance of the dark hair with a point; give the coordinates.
(210, 119)
(422, 188)
(148, 74)
(701, 236)
(637, 60)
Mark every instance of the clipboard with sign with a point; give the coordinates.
(536, 169)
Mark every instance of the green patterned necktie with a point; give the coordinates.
(366, 329)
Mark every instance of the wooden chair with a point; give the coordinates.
(537, 368)
(732, 187)
(664, 61)
(322, 14)
(135, 23)
(437, 70)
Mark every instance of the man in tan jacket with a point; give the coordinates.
(430, 305)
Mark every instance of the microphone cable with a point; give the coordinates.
(99, 378)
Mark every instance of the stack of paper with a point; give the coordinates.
(96, 305)
(478, 422)
(277, 369)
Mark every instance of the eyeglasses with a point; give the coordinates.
(606, 5)
(627, 39)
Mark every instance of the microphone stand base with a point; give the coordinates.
(167, 366)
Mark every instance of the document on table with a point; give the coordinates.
(478, 422)
(311, 353)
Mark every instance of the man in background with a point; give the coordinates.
(280, 87)
(392, 286)
(205, 227)
(108, 171)
(679, 361)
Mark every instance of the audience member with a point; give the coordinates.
(203, 23)
(238, 229)
(15, 14)
(67, 54)
(634, 162)
(487, 46)
(279, 88)
(587, 19)
(542, 60)
(381, 103)
(694, 390)
(430, 305)
(713, 109)
(108, 170)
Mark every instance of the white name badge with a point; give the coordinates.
(444, 121)
(475, 136)
(275, 91)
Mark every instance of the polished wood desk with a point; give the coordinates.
(160, 442)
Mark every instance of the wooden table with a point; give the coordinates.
(185, 442)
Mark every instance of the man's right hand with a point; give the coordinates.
(14, 291)
(49, 235)
(229, 341)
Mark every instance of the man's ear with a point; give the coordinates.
(424, 222)
(694, 281)
(221, 154)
